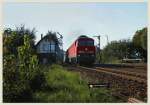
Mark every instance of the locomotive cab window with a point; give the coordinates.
(86, 43)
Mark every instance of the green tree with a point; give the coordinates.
(140, 42)
(19, 73)
(14, 38)
(28, 63)
(52, 35)
(115, 51)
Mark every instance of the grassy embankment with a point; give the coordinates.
(64, 86)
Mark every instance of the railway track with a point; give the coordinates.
(126, 84)
(140, 77)
(140, 68)
(123, 74)
(131, 73)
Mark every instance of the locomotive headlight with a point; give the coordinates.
(78, 55)
(92, 54)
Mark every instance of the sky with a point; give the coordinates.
(116, 20)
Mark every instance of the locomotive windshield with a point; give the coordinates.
(86, 43)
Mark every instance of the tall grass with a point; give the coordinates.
(65, 86)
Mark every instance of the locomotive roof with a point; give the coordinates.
(83, 36)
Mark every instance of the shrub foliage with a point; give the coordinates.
(65, 86)
(20, 69)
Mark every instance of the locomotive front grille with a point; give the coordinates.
(86, 58)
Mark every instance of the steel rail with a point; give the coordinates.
(132, 73)
(125, 76)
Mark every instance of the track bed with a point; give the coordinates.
(124, 83)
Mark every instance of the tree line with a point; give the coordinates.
(135, 48)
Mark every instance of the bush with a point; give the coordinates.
(15, 89)
(19, 73)
(102, 95)
(65, 86)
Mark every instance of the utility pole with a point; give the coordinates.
(99, 38)
(107, 38)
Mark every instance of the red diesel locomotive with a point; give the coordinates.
(82, 51)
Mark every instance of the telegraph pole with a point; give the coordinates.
(99, 38)
(107, 38)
